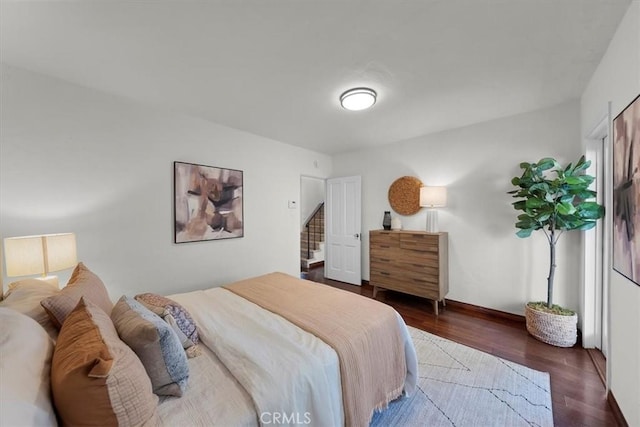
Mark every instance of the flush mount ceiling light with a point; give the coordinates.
(359, 98)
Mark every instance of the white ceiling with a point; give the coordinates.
(276, 68)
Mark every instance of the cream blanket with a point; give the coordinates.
(290, 375)
(364, 333)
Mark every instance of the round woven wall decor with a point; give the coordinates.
(404, 195)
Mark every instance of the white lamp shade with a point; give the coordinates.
(30, 255)
(433, 197)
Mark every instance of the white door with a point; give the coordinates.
(342, 230)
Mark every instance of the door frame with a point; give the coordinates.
(596, 310)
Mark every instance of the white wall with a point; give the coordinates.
(489, 265)
(74, 159)
(617, 80)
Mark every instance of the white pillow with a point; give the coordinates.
(25, 366)
(25, 296)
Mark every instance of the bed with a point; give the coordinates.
(274, 350)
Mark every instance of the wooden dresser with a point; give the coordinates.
(413, 262)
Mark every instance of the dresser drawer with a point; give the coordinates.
(419, 258)
(419, 242)
(418, 270)
(384, 239)
(388, 270)
(383, 279)
(405, 285)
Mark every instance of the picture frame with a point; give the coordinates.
(208, 203)
(626, 192)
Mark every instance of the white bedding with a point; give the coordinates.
(292, 376)
(212, 397)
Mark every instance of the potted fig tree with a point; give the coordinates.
(554, 199)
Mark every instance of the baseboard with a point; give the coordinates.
(617, 413)
(599, 362)
(483, 311)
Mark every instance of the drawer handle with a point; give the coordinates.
(384, 259)
(418, 265)
(384, 273)
(385, 246)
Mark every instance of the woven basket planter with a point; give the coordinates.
(554, 329)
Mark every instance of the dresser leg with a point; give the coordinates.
(375, 291)
(435, 307)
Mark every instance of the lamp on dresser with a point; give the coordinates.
(30, 255)
(431, 198)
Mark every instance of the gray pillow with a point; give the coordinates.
(155, 343)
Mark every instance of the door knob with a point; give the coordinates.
(357, 236)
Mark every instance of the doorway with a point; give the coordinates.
(312, 196)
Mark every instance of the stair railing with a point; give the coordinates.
(312, 217)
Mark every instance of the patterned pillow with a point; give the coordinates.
(83, 283)
(155, 343)
(175, 315)
(96, 379)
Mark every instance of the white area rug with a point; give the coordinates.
(461, 386)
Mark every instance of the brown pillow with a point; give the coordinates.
(83, 283)
(96, 379)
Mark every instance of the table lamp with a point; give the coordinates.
(28, 255)
(433, 197)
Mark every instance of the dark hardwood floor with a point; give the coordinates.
(578, 394)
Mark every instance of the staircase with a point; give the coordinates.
(312, 240)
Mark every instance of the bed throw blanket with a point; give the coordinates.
(364, 333)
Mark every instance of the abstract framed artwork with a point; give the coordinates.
(208, 203)
(626, 192)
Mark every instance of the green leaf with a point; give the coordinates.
(565, 208)
(586, 226)
(519, 205)
(584, 194)
(543, 186)
(525, 165)
(587, 179)
(542, 217)
(534, 202)
(591, 210)
(524, 233)
(592, 206)
(567, 198)
(582, 165)
(574, 180)
(515, 180)
(546, 163)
